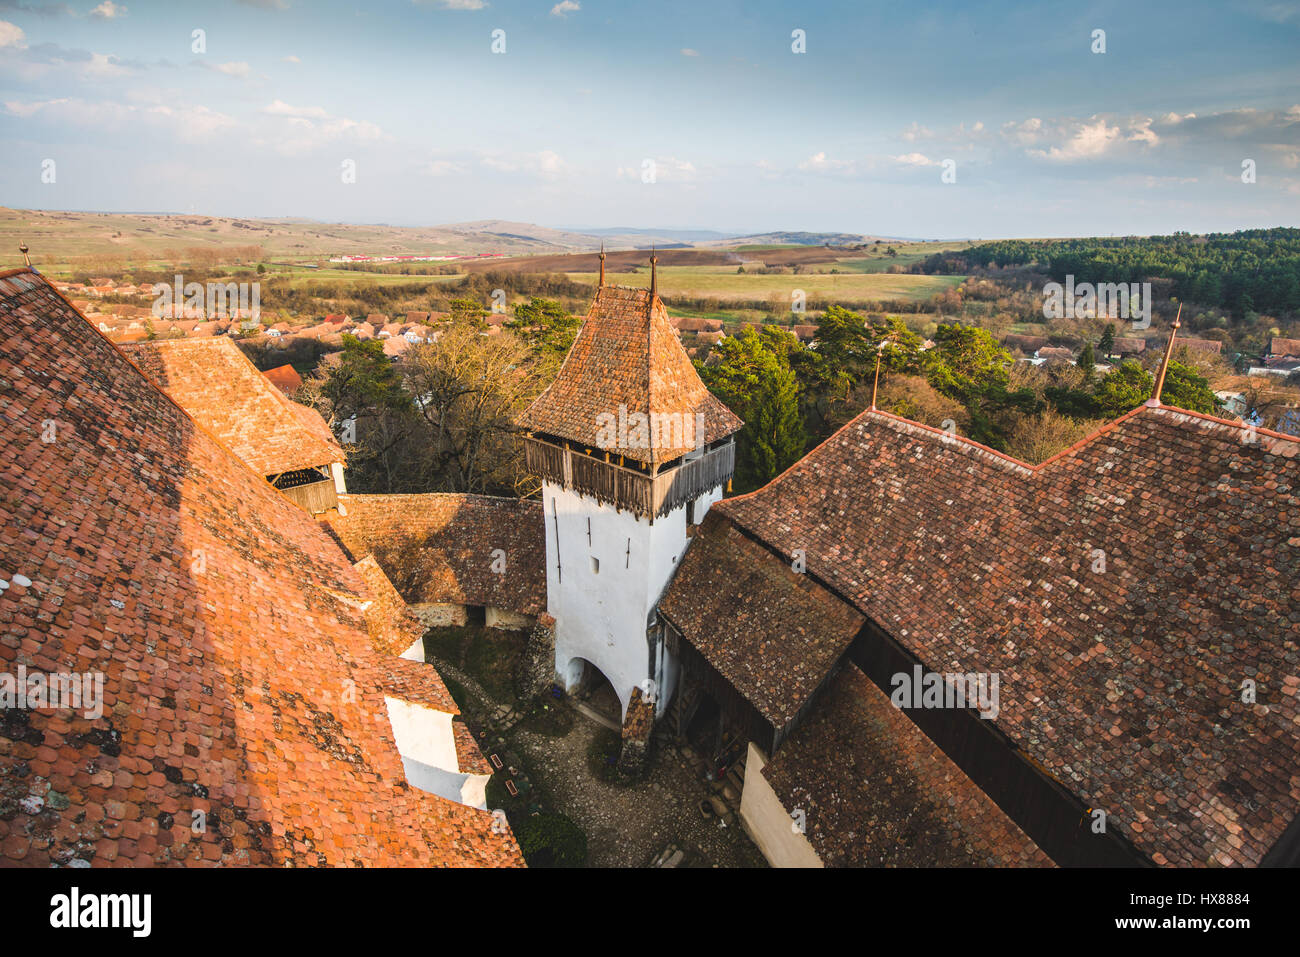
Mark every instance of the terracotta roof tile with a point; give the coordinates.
(393, 629)
(1123, 683)
(773, 633)
(238, 674)
(285, 378)
(876, 792)
(627, 358)
(439, 547)
(215, 382)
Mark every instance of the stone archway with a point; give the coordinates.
(588, 686)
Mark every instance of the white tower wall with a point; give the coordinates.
(605, 570)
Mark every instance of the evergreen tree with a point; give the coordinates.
(755, 380)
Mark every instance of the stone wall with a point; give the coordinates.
(536, 669)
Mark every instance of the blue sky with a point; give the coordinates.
(1045, 136)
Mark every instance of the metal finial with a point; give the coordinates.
(602, 265)
(654, 278)
(1164, 364)
(22, 248)
(880, 351)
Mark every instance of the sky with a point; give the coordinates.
(941, 120)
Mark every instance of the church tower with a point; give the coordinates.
(632, 449)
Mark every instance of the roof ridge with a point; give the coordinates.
(1033, 469)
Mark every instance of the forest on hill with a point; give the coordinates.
(1247, 272)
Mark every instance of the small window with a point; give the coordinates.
(690, 512)
(595, 565)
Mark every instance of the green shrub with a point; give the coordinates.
(550, 840)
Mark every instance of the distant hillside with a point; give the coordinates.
(799, 239)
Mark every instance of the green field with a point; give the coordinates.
(703, 282)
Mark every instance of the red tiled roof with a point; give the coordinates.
(627, 357)
(439, 547)
(1284, 347)
(238, 675)
(285, 378)
(392, 627)
(215, 382)
(1026, 344)
(1129, 345)
(1125, 684)
(876, 792)
(416, 682)
(1200, 345)
(469, 757)
(689, 324)
(773, 633)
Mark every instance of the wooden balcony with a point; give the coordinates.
(641, 492)
(309, 489)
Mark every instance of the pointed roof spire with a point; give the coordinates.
(1154, 401)
(602, 265)
(22, 248)
(654, 279)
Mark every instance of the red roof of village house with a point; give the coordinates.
(627, 359)
(216, 383)
(1284, 347)
(1123, 684)
(438, 547)
(285, 378)
(238, 675)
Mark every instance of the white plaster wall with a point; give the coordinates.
(427, 744)
(423, 734)
(768, 822)
(508, 620)
(415, 652)
(602, 616)
(336, 470)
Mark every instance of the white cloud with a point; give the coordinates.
(105, 65)
(281, 108)
(306, 128)
(565, 7)
(915, 159)
(235, 68)
(1087, 139)
(454, 4)
(687, 51)
(292, 59)
(916, 132)
(108, 10)
(11, 35)
(545, 163)
(189, 123)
